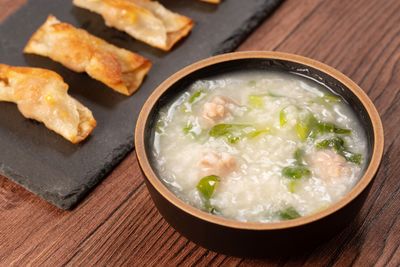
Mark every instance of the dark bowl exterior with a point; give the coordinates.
(256, 243)
(257, 239)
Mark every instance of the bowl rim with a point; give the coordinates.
(361, 185)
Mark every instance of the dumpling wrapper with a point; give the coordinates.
(147, 21)
(42, 95)
(80, 51)
(212, 1)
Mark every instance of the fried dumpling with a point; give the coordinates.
(212, 1)
(145, 20)
(42, 95)
(80, 51)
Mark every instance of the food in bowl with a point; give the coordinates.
(259, 146)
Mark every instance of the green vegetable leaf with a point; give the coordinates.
(292, 186)
(327, 100)
(306, 127)
(272, 94)
(232, 132)
(327, 127)
(338, 145)
(256, 101)
(335, 143)
(196, 96)
(296, 172)
(310, 127)
(160, 125)
(282, 117)
(289, 213)
(233, 139)
(194, 130)
(298, 156)
(235, 132)
(187, 129)
(207, 186)
(352, 157)
(302, 130)
(255, 133)
(330, 98)
(186, 107)
(312, 124)
(210, 208)
(224, 129)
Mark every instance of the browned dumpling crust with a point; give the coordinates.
(80, 51)
(212, 1)
(147, 21)
(42, 95)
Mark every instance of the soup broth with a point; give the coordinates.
(259, 146)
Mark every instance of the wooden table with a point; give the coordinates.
(118, 223)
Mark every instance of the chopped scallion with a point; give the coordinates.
(207, 186)
(256, 101)
(289, 213)
(296, 172)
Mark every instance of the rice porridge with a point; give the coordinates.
(259, 146)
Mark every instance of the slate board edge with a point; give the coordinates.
(74, 198)
(71, 200)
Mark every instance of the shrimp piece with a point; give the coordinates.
(217, 109)
(217, 163)
(329, 166)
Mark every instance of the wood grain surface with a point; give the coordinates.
(118, 225)
(7, 7)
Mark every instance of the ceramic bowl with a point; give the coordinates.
(258, 239)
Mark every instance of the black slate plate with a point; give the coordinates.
(63, 173)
